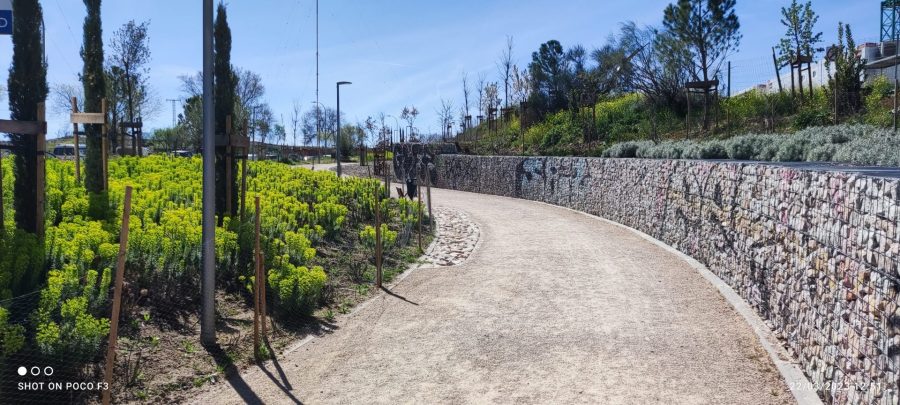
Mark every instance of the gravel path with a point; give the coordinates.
(551, 307)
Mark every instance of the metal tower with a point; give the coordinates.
(890, 11)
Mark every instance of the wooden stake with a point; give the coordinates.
(229, 159)
(77, 151)
(378, 248)
(262, 296)
(419, 208)
(104, 146)
(428, 188)
(244, 174)
(117, 297)
(256, 289)
(40, 174)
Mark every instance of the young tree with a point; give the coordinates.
(504, 67)
(521, 84)
(466, 92)
(191, 122)
(409, 114)
(295, 121)
(800, 39)
(846, 73)
(131, 56)
(27, 84)
(371, 127)
(93, 78)
(482, 105)
(224, 106)
(709, 30)
(445, 115)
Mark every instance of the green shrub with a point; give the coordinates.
(12, 337)
(388, 237)
(297, 288)
(878, 103)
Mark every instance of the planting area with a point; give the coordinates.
(317, 238)
(853, 144)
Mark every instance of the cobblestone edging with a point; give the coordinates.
(816, 254)
(456, 238)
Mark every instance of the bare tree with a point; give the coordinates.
(409, 114)
(466, 92)
(482, 78)
(521, 84)
(61, 98)
(249, 92)
(445, 115)
(295, 120)
(131, 54)
(504, 66)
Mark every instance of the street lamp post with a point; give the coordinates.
(397, 123)
(208, 251)
(337, 141)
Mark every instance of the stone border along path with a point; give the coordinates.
(552, 306)
(455, 239)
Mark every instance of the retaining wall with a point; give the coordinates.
(816, 254)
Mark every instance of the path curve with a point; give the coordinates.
(552, 307)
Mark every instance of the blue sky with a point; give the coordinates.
(397, 52)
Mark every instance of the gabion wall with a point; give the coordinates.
(816, 254)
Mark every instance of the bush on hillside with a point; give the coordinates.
(855, 144)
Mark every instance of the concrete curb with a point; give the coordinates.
(800, 386)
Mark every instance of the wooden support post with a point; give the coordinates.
(256, 289)
(419, 208)
(262, 297)
(40, 175)
(428, 193)
(229, 160)
(378, 251)
(244, 172)
(117, 298)
(104, 146)
(75, 135)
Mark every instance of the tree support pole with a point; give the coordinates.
(208, 290)
(117, 298)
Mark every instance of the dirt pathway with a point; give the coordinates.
(551, 307)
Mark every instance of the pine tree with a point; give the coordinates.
(27, 85)
(709, 30)
(94, 81)
(225, 88)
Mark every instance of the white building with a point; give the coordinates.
(881, 59)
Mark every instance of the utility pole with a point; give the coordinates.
(337, 139)
(207, 286)
(317, 75)
(173, 100)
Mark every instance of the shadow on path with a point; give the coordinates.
(282, 381)
(400, 297)
(233, 374)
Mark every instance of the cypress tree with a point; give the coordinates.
(94, 82)
(225, 88)
(27, 85)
